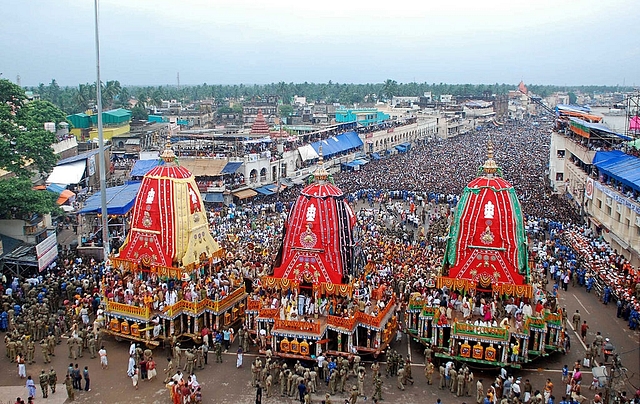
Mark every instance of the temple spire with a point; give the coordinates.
(490, 167)
(320, 174)
(168, 155)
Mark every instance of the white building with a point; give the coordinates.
(602, 191)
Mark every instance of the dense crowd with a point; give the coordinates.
(404, 204)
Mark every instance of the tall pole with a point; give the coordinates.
(103, 169)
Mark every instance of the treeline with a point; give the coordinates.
(114, 95)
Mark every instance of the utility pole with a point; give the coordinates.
(103, 172)
(614, 382)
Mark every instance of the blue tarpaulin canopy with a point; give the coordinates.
(214, 197)
(352, 164)
(120, 200)
(231, 167)
(56, 188)
(338, 144)
(142, 167)
(375, 156)
(264, 191)
(620, 166)
(361, 161)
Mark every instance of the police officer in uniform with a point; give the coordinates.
(53, 380)
(91, 344)
(168, 371)
(44, 384)
(44, 347)
(429, 370)
(218, 352)
(377, 382)
(31, 351)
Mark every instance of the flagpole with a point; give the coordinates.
(103, 170)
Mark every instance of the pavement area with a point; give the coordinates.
(224, 383)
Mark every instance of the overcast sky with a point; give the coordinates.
(143, 42)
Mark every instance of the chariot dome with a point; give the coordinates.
(169, 226)
(317, 243)
(487, 246)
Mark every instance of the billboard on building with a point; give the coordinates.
(47, 251)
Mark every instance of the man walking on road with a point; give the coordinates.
(576, 320)
(583, 330)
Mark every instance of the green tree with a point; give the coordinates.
(285, 110)
(573, 98)
(139, 113)
(110, 91)
(42, 111)
(18, 199)
(390, 89)
(25, 149)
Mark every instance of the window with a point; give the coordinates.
(599, 203)
(559, 176)
(609, 210)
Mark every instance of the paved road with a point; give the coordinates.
(223, 383)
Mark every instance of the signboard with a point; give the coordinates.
(588, 188)
(47, 259)
(47, 244)
(614, 196)
(92, 165)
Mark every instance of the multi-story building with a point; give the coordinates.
(364, 116)
(269, 107)
(387, 139)
(604, 184)
(116, 122)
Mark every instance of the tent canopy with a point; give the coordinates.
(620, 166)
(65, 195)
(264, 191)
(71, 173)
(245, 193)
(338, 144)
(203, 167)
(142, 167)
(231, 167)
(585, 128)
(213, 197)
(56, 188)
(120, 200)
(307, 152)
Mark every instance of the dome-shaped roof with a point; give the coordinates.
(169, 225)
(487, 247)
(169, 171)
(322, 190)
(317, 244)
(498, 183)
